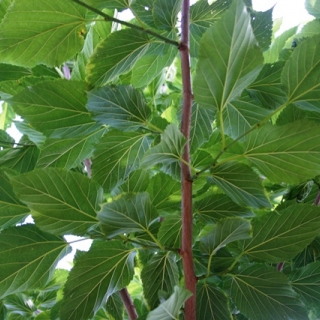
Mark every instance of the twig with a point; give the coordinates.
(131, 310)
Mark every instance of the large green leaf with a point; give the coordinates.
(170, 230)
(109, 4)
(280, 236)
(170, 309)
(62, 202)
(28, 258)
(130, 213)
(4, 5)
(10, 72)
(262, 293)
(229, 59)
(212, 302)
(288, 153)
(313, 7)
(116, 55)
(240, 183)
(56, 34)
(217, 206)
(12, 211)
(160, 275)
(306, 282)
(117, 154)
(55, 104)
(165, 13)
(310, 29)
(105, 269)
(121, 107)
(168, 151)
(301, 75)
(67, 153)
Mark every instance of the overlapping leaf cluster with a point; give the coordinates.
(100, 154)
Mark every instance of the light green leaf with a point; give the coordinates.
(280, 236)
(217, 206)
(4, 5)
(122, 107)
(161, 273)
(62, 202)
(310, 29)
(262, 293)
(117, 154)
(55, 104)
(223, 232)
(212, 303)
(56, 34)
(28, 260)
(67, 153)
(116, 55)
(165, 13)
(272, 54)
(130, 213)
(306, 282)
(313, 7)
(202, 16)
(143, 10)
(33, 135)
(288, 153)
(168, 151)
(301, 76)
(109, 4)
(170, 309)
(229, 59)
(105, 269)
(12, 211)
(240, 183)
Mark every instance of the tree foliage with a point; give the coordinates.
(101, 106)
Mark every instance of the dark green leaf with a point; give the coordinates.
(168, 151)
(240, 183)
(280, 236)
(56, 34)
(10, 72)
(130, 213)
(27, 261)
(115, 307)
(143, 10)
(161, 273)
(62, 202)
(288, 153)
(212, 302)
(116, 55)
(118, 154)
(229, 59)
(165, 13)
(121, 107)
(105, 269)
(170, 230)
(262, 293)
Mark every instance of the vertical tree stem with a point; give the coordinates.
(186, 245)
(126, 299)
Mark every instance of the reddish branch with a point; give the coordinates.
(186, 245)
(126, 299)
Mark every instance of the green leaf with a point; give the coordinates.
(28, 260)
(4, 5)
(218, 206)
(282, 235)
(130, 213)
(229, 59)
(310, 29)
(306, 282)
(165, 13)
(240, 183)
(33, 135)
(262, 293)
(288, 153)
(116, 155)
(10, 72)
(313, 7)
(105, 269)
(67, 153)
(55, 104)
(272, 54)
(161, 273)
(143, 10)
(121, 107)
(170, 309)
(62, 202)
(223, 232)
(56, 34)
(12, 211)
(267, 87)
(109, 4)
(115, 307)
(168, 151)
(212, 303)
(116, 55)
(301, 77)
(262, 27)
(169, 234)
